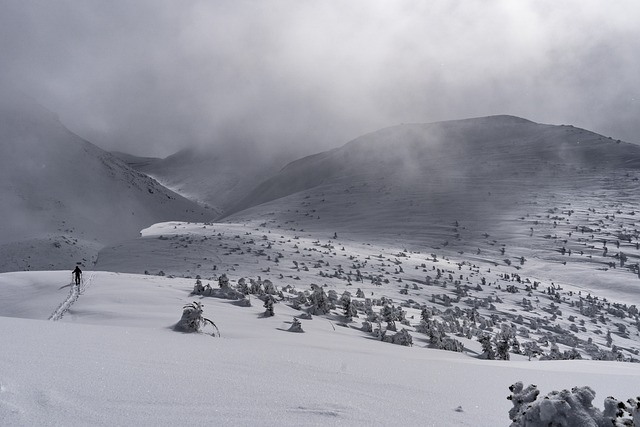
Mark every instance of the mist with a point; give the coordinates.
(152, 77)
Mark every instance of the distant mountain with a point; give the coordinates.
(218, 176)
(421, 175)
(58, 190)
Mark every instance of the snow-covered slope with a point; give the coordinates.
(462, 159)
(496, 190)
(112, 357)
(218, 176)
(58, 191)
(538, 253)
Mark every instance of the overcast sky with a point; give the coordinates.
(152, 76)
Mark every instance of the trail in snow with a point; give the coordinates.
(74, 293)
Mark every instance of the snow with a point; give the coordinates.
(113, 358)
(107, 353)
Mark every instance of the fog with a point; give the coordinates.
(152, 77)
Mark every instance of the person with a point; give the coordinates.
(77, 273)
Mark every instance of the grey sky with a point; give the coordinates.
(152, 76)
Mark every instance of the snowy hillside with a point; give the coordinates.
(109, 354)
(469, 157)
(215, 177)
(493, 191)
(410, 257)
(57, 190)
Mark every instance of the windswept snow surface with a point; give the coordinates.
(113, 359)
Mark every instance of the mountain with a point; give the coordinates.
(58, 190)
(494, 190)
(216, 177)
(470, 168)
(493, 237)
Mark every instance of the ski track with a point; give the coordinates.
(74, 294)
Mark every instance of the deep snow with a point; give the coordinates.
(469, 243)
(113, 357)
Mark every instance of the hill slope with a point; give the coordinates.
(215, 177)
(469, 157)
(112, 359)
(60, 191)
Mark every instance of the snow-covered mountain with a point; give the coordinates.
(216, 177)
(59, 190)
(479, 236)
(453, 167)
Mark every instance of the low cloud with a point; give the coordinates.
(151, 77)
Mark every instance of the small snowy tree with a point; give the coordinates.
(198, 288)
(347, 306)
(242, 286)
(487, 348)
(223, 281)
(502, 348)
(192, 319)
(400, 338)
(268, 305)
(319, 301)
(269, 287)
(296, 326)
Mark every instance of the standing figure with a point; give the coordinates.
(77, 273)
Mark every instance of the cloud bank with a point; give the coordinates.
(153, 76)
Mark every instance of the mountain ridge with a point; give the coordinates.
(471, 148)
(59, 189)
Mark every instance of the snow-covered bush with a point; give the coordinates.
(487, 348)
(451, 344)
(269, 287)
(296, 326)
(401, 338)
(366, 327)
(225, 291)
(242, 286)
(319, 301)
(348, 307)
(192, 319)
(569, 408)
(223, 281)
(268, 305)
(502, 348)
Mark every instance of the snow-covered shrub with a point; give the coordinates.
(296, 326)
(268, 305)
(401, 338)
(192, 319)
(269, 287)
(451, 344)
(347, 306)
(487, 348)
(299, 300)
(242, 286)
(366, 327)
(223, 281)
(502, 348)
(198, 288)
(225, 292)
(569, 408)
(319, 301)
